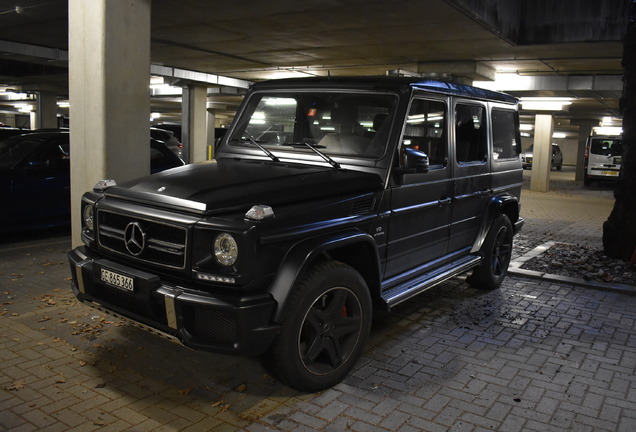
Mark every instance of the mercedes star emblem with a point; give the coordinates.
(135, 238)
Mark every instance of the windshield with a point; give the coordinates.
(335, 124)
(13, 150)
(607, 146)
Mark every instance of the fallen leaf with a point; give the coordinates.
(185, 392)
(16, 385)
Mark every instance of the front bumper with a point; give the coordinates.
(236, 324)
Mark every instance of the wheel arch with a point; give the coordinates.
(500, 204)
(355, 248)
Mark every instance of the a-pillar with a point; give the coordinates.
(46, 111)
(211, 134)
(542, 153)
(194, 135)
(109, 73)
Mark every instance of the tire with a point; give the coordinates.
(497, 250)
(324, 328)
(559, 166)
(586, 180)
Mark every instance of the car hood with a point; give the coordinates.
(218, 186)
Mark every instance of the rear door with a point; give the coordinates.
(420, 203)
(471, 166)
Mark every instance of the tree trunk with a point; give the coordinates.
(619, 231)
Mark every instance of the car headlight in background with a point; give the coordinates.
(89, 220)
(225, 249)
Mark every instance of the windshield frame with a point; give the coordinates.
(236, 142)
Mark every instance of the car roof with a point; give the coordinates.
(387, 83)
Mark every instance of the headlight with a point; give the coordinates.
(89, 221)
(225, 249)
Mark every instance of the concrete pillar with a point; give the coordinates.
(109, 72)
(585, 130)
(194, 135)
(542, 153)
(46, 111)
(211, 134)
(33, 120)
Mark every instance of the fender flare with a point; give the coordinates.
(496, 206)
(303, 253)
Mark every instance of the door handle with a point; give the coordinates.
(444, 202)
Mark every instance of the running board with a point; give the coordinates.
(413, 287)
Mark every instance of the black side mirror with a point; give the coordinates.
(416, 160)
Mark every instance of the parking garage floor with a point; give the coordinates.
(535, 355)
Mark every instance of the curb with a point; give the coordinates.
(516, 270)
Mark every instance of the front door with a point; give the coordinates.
(421, 202)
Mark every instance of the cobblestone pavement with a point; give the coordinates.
(534, 355)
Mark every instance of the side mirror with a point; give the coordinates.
(415, 160)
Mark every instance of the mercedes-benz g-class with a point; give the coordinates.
(328, 198)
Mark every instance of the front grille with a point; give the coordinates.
(163, 243)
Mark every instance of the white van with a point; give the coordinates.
(602, 158)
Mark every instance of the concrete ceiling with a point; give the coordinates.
(548, 48)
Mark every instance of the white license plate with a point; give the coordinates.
(610, 173)
(117, 280)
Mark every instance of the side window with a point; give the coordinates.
(505, 141)
(470, 133)
(425, 130)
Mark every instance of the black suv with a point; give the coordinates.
(328, 199)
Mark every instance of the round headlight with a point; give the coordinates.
(89, 221)
(225, 249)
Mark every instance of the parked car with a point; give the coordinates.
(329, 198)
(603, 157)
(6, 132)
(168, 137)
(556, 161)
(35, 179)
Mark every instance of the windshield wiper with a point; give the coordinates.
(271, 155)
(314, 148)
(325, 156)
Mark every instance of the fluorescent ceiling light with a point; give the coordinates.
(558, 135)
(280, 101)
(526, 127)
(608, 130)
(23, 107)
(545, 104)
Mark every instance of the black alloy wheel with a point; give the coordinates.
(497, 251)
(324, 329)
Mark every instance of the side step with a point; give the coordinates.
(413, 287)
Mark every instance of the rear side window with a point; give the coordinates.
(470, 133)
(505, 140)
